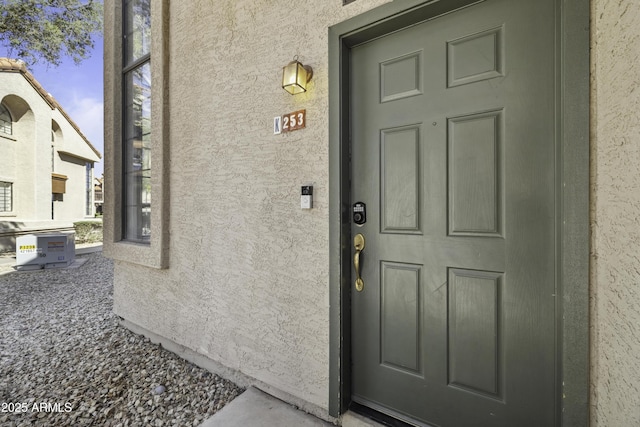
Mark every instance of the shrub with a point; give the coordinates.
(88, 231)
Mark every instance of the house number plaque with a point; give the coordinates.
(290, 122)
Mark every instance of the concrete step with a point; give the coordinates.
(254, 408)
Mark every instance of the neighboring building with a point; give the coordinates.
(495, 145)
(98, 194)
(46, 163)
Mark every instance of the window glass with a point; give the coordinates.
(88, 179)
(137, 30)
(5, 120)
(53, 152)
(6, 196)
(137, 153)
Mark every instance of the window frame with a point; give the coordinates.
(89, 188)
(136, 208)
(3, 197)
(155, 253)
(4, 123)
(135, 199)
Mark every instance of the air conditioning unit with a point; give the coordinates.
(37, 251)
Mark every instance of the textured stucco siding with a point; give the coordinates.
(615, 273)
(247, 283)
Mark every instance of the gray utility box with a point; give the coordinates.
(36, 251)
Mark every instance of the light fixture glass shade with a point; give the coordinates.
(295, 77)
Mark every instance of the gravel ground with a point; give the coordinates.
(65, 360)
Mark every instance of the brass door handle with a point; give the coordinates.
(358, 244)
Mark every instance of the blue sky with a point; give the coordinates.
(78, 89)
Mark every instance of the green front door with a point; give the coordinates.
(453, 127)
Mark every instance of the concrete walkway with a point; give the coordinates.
(254, 408)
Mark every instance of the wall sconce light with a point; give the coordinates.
(295, 77)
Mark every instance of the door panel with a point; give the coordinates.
(453, 152)
(474, 336)
(474, 146)
(400, 180)
(400, 315)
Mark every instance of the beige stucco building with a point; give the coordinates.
(215, 258)
(46, 163)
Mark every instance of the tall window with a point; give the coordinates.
(53, 151)
(6, 125)
(88, 187)
(6, 196)
(137, 121)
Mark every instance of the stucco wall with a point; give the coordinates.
(72, 153)
(615, 273)
(31, 159)
(247, 283)
(73, 206)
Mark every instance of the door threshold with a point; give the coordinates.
(377, 418)
(353, 419)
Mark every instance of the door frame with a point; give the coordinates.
(572, 193)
